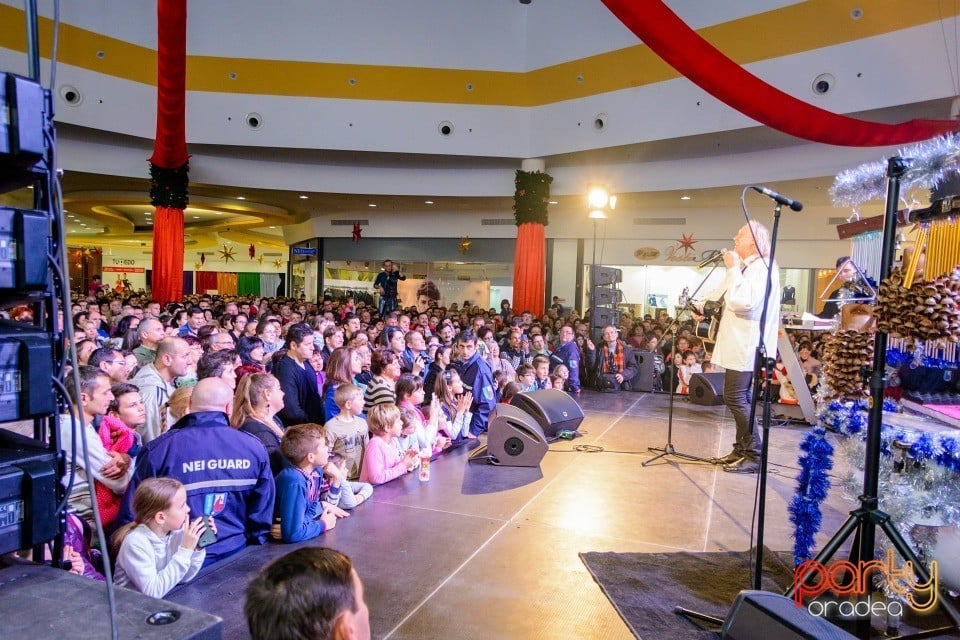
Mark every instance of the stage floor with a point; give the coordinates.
(491, 552)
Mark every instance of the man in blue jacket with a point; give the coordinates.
(478, 379)
(226, 472)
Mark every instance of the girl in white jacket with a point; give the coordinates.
(159, 550)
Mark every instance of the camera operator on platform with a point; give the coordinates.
(743, 291)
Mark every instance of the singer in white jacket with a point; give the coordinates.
(739, 334)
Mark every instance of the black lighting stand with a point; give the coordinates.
(668, 449)
(865, 520)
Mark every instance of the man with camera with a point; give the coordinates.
(612, 362)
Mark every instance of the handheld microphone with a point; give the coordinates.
(714, 259)
(796, 205)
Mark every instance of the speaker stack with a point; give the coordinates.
(604, 298)
(31, 247)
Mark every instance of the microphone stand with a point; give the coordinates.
(761, 363)
(668, 449)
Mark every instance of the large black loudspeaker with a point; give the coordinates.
(706, 389)
(760, 615)
(646, 378)
(603, 276)
(43, 602)
(603, 316)
(554, 410)
(514, 439)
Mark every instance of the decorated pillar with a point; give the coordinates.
(169, 162)
(530, 200)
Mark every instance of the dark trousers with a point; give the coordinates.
(737, 395)
(386, 306)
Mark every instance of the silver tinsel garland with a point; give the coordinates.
(929, 161)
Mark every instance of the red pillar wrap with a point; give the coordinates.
(683, 49)
(170, 146)
(529, 268)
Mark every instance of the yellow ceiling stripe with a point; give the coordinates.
(793, 29)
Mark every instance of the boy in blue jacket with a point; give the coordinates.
(302, 496)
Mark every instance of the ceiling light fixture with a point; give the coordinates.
(371, 205)
(303, 197)
(685, 197)
(428, 202)
(241, 198)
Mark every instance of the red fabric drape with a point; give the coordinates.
(170, 145)
(167, 277)
(207, 281)
(529, 268)
(683, 49)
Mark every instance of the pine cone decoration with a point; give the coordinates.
(845, 353)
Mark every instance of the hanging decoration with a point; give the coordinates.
(356, 232)
(689, 53)
(930, 163)
(203, 258)
(531, 197)
(260, 259)
(169, 164)
(813, 484)
(278, 263)
(227, 253)
(252, 251)
(465, 244)
(197, 266)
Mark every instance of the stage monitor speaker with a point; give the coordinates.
(706, 389)
(605, 295)
(554, 410)
(514, 439)
(44, 602)
(760, 615)
(603, 276)
(647, 378)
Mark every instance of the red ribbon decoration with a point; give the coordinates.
(686, 51)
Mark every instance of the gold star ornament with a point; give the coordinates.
(227, 253)
(465, 243)
(278, 263)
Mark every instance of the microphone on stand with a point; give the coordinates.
(714, 259)
(796, 205)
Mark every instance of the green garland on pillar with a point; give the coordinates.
(531, 197)
(168, 187)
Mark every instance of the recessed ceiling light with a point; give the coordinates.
(552, 202)
(30, 187)
(271, 227)
(196, 217)
(371, 205)
(685, 197)
(428, 202)
(303, 196)
(219, 213)
(241, 198)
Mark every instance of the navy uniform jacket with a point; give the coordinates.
(226, 473)
(478, 379)
(568, 353)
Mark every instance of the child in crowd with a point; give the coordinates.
(426, 430)
(527, 377)
(381, 462)
(541, 367)
(161, 551)
(455, 414)
(562, 371)
(557, 382)
(347, 436)
(685, 371)
(116, 435)
(509, 390)
(300, 505)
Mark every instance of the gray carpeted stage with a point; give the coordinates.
(493, 552)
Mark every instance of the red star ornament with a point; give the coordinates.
(687, 242)
(356, 232)
(252, 251)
